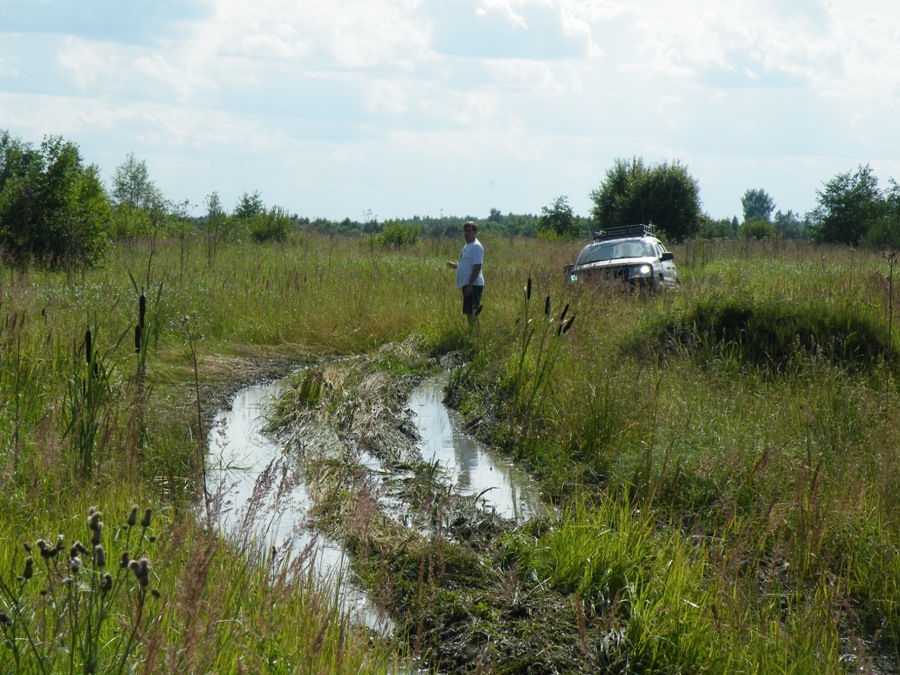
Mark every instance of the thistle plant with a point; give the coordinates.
(71, 610)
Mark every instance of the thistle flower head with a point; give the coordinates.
(145, 521)
(132, 516)
(125, 560)
(28, 572)
(94, 520)
(99, 556)
(106, 583)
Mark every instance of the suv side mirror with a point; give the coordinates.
(668, 255)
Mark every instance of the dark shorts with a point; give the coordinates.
(473, 302)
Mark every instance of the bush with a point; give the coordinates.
(399, 235)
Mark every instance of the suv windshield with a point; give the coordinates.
(611, 250)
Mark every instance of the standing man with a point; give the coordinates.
(468, 272)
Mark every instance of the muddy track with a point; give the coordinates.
(445, 569)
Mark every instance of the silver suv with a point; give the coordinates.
(630, 255)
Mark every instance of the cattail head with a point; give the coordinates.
(562, 317)
(137, 339)
(547, 306)
(87, 345)
(528, 289)
(142, 309)
(568, 324)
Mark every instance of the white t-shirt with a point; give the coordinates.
(472, 254)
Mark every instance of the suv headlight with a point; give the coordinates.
(639, 271)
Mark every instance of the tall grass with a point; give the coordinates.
(734, 506)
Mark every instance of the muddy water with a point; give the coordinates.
(503, 487)
(262, 503)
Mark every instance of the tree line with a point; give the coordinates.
(55, 210)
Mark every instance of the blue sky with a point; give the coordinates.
(395, 108)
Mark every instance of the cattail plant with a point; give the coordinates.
(87, 399)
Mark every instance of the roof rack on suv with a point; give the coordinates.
(620, 231)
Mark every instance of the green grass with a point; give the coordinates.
(726, 455)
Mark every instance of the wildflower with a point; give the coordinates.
(125, 560)
(28, 572)
(132, 517)
(106, 583)
(94, 520)
(26, 546)
(75, 564)
(145, 521)
(95, 535)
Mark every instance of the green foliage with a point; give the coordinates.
(848, 206)
(249, 206)
(723, 228)
(559, 220)
(53, 209)
(663, 194)
(396, 234)
(272, 225)
(756, 229)
(132, 186)
(758, 205)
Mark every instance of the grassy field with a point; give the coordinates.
(725, 458)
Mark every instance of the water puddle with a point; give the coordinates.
(503, 487)
(261, 501)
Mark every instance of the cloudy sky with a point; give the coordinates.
(395, 108)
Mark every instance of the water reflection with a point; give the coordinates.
(260, 498)
(511, 492)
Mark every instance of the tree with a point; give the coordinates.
(885, 231)
(559, 220)
(758, 205)
(788, 225)
(132, 185)
(249, 206)
(665, 195)
(53, 209)
(848, 207)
